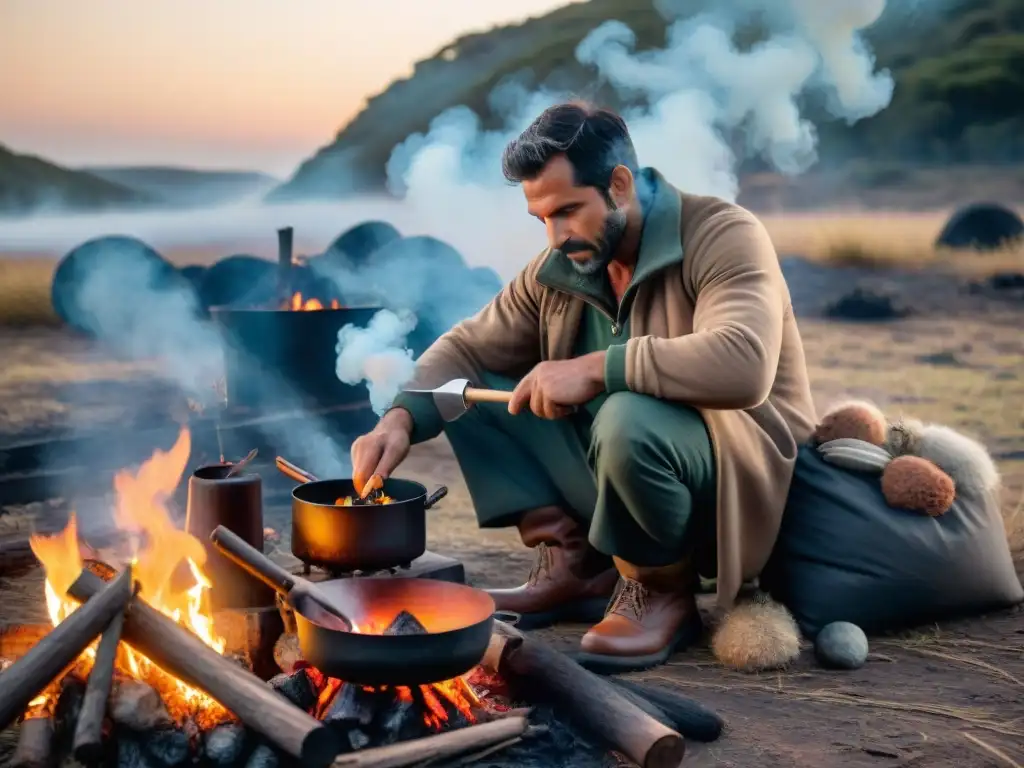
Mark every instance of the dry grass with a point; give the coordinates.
(25, 293)
(881, 240)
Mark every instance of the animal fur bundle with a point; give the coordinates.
(922, 465)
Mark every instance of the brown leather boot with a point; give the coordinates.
(570, 580)
(653, 614)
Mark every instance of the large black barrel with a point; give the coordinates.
(280, 359)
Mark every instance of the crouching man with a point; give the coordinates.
(660, 393)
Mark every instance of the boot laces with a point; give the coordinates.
(542, 564)
(631, 598)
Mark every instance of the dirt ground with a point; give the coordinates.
(949, 695)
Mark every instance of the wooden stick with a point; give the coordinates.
(35, 744)
(531, 667)
(48, 658)
(88, 742)
(440, 746)
(179, 652)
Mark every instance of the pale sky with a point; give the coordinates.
(248, 84)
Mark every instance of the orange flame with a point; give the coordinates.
(163, 556)
(298, 304)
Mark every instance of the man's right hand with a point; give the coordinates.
(380, 451)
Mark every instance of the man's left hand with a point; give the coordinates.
(553, 388)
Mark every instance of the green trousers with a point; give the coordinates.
(640, 472)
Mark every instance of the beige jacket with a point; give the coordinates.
(713, 328)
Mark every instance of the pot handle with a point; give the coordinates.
(435, 497)
(251, 560)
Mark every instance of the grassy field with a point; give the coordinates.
(904, 240)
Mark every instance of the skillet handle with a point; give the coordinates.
(251, 560)
(435, 497)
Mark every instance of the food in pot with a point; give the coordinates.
(352, 501)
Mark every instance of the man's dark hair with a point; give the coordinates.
(594, 141)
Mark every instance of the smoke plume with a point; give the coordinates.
(377, 355)
(707, 104)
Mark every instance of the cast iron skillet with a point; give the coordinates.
(459, 620)
(362, 537)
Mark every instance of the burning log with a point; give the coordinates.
(183, 654)
(527, 664)
(68, 708)
(48, 658)
(88, 742)
(35, 744)
(440, 746)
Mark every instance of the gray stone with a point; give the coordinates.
(841, 645)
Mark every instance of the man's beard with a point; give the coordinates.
(603, 249)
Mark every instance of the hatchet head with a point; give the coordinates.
(449, 398)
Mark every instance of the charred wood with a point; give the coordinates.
(88, 728)
(405, 624)
(295, 687)
(58, 650)
(395, 721)
(130, 754)
(184, 655)
(68, 709)
(166, 748)
(35, 744)
(223, 745)
(263, 756)
(352, 706)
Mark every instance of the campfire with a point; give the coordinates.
(152, 708)
(136, 672)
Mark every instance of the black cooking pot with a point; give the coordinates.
(361, 537)
(280, 358)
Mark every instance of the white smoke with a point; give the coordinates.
(698, 91)
(377, 356)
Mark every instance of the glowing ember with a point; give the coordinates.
(457, 693)
(298, 304)
(168, 567)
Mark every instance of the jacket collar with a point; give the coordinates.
(660, 247)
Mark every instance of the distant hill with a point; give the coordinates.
(29, 184)
(189, 187)
(959, 75)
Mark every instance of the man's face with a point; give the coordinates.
(582, 222)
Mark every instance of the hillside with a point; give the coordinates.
(29, 183)
(188, 187)
(959, 86)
